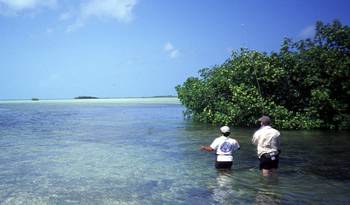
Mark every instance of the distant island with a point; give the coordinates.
(35, 99)
(85, 97)
(92, 97)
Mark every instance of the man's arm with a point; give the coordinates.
(211, 147)
(275, 143)
(207, 148)
(239, 147)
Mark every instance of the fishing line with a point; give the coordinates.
(259, 88)
(245, 44)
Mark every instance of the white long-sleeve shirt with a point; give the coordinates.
(266, 139)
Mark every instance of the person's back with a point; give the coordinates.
(266, 139)
(224, 147)
(268, 146)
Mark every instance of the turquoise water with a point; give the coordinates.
(142, 151)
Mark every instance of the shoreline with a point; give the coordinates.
(119, 100)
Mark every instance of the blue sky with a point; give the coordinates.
(128, 48)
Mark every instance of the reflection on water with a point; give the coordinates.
(223, 191)
(266, 194)
(130, 153)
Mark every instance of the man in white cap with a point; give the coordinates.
(268, 146)
(224, 146)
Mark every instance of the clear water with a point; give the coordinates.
(142, 151)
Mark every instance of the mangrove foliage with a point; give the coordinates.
(305, 85)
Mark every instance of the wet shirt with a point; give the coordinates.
(266, 139)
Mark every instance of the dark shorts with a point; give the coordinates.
(268, 162)
(223, 165)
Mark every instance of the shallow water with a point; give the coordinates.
(145, 152)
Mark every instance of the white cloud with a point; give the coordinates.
(168, 46)
(14, 6)
(120, 10)
(171, 51)
(307, 32)
(174, 53)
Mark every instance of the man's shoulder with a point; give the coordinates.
(265, 130)
(233, 140)
(271, 130)
(220, 138)
(275, 130)
(268, 128)
(257, 132)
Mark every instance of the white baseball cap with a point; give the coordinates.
(224, 129)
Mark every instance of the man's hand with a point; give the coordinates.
(206, 148)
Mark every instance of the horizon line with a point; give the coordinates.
(75, 98)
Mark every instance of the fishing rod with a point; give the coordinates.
(245, 44)
(259, 88)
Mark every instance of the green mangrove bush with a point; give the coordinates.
(305, 85)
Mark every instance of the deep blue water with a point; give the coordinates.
(147, 153)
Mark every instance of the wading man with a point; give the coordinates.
(268, 146)
(224, 146)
